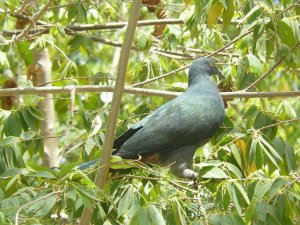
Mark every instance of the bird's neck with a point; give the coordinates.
(201, 83)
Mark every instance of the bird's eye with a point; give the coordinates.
(212, 65)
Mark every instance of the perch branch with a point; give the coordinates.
(137, 91)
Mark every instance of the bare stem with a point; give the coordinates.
(279, 123)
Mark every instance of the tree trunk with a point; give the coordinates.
(40, 74)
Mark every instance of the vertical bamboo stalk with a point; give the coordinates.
(102, 173)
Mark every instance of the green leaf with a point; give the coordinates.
(141, 217)
(9, 141)
(259, 157)
(228, 12)
(237, 154)
(212, 172)
(260, 191)
(43, 173)
(215, 219)
(125, 201)
(31, 121)
(89, 145)
(65, 170)
(261, 210)
(47, 206)
(242, 191)
(238, 220)
(68, 68)
(233, 196)
(251, 16)
(142, 40)
(255, 64)
(214, 13)
(84, 199)
(155, 215)
(86, 195)
(227, 220)
(12, 172)
(12, 125)
(23, 122)
(12, 181)
(35, 113)
(178, 213)
(269, 150)
(276, 186)
(251, 150)
(286, 32)
(232, 168)
(72, 11)
(290, 158)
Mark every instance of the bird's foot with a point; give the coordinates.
(191, 175)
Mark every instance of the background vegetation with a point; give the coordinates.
(248, 173)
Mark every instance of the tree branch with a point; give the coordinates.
(137, 91)
(33, 21)
(160, 77)
(279, 123)
(288, 8)
(102, 173)
(87, 27)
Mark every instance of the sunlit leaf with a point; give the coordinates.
(12, 125)
(214, 13)
(212, 172)
(228, 12)
(286, 32)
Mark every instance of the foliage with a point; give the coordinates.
(248, 173)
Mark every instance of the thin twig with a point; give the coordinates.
(160, 77)
(72, 104)
(154, 179)
(288, 8)
(279, 123)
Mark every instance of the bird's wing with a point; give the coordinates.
(170, 127)
(137, 126)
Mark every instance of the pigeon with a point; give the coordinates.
(171, 134)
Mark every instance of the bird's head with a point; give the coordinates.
(204, 66)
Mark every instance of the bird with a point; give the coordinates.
(171, 134)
